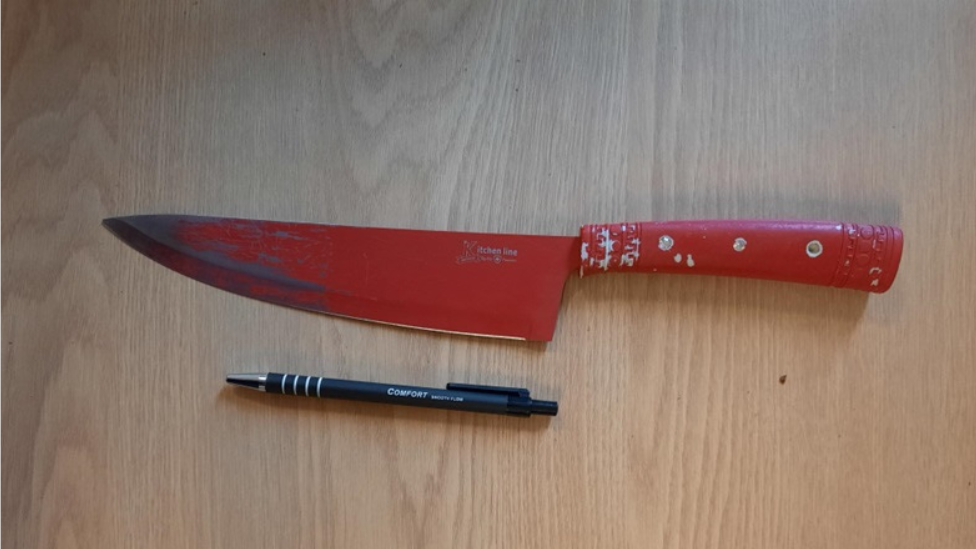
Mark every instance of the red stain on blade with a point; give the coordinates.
(296, 254)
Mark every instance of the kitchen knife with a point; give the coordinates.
(500, 285)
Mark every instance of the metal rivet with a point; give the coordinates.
(739, 244)
(665, 243)
(814, 248)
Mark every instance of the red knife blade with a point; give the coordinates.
(500, 285)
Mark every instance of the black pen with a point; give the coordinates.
(458, 396)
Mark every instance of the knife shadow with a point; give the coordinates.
(776, 300)
(247, 400)
(378, 330)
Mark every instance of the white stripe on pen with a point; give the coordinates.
(283, 378)
(318, 388)
(307, 380)
(294, 387)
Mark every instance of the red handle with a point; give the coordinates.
(843, 255)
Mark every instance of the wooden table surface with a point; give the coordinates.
(695, 411)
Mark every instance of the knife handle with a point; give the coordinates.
(824, 253)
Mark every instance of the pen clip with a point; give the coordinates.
(508, 391)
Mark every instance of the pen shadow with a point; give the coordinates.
(248, 400)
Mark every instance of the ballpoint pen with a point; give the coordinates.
(457, 396)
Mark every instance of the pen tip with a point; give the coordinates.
(251, 381)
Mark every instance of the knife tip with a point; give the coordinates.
(116, 226)
(112, 223)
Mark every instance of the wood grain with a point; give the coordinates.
(695, 411)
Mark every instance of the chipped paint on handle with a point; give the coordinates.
(843, 255)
